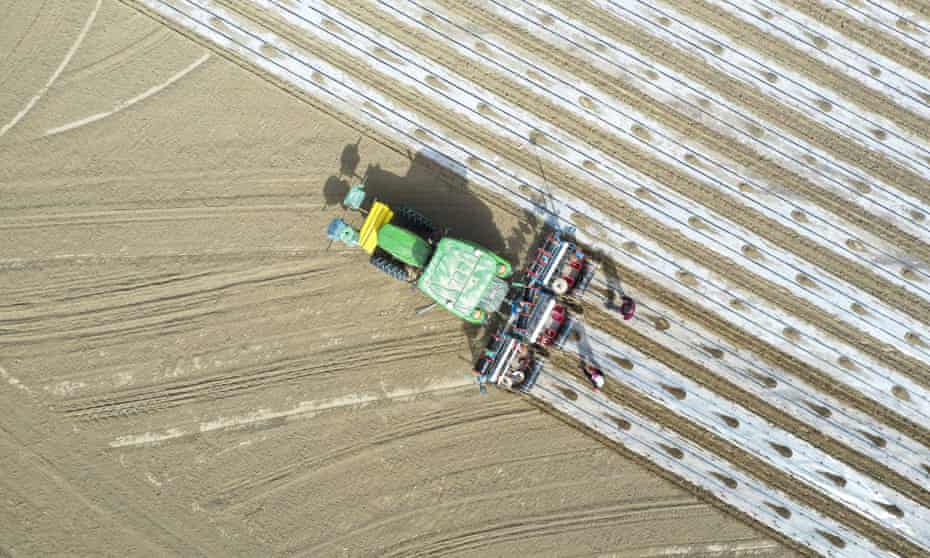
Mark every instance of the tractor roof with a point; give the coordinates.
(458, 276)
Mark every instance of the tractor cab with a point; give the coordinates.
(466, 279)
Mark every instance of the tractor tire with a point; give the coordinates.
(389, 265)
(415, 221)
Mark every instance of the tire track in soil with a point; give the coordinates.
(749, 463)
(739, 93)
(23, 444)
(84, 289)
(134, 216)
(785, 54)
(115, 177)
(195, 301)
(148, 42)
(872, 37)
(542, 525)
(698, 491)
(72, 284)
(185, 322)
(42, 11)
(708, 196)
(497, 411)
(603, 321)
(673, 241)
(232, 383)
(182, 322)
(242, 492)
(207, 283)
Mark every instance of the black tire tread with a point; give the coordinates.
(415, 221)
(386, 264)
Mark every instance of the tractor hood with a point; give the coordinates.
(404, 245)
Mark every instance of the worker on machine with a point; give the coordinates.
(482, 380)
(524, 356)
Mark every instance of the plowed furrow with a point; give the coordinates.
(245, 491)
(787, 55)
(872, 37)
(234, 383)
(742, 459)
(742, 94)
(740, 338)
(599, 319)
(527, 527)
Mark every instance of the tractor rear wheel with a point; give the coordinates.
(416, 221)
(389, 265)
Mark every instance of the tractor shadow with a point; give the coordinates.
(439, 188)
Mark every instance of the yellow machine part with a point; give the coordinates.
(379, 215)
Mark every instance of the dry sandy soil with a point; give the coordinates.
(188, 370)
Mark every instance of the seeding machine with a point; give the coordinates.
(475, 284)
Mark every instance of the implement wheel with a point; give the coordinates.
(389, 265)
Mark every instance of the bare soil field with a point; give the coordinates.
(190, 367)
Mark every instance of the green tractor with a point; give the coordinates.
(472, 282)
(464, 278)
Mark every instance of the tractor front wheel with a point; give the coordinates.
(389, 265)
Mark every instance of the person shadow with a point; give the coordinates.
(613, 284)
(438, 188)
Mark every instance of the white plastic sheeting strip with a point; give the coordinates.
(884, 197)
(673, 453)
(790, 87)
(781, 389)
(900, 22)
(895, 81)
(793, 151)
(749, 432)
